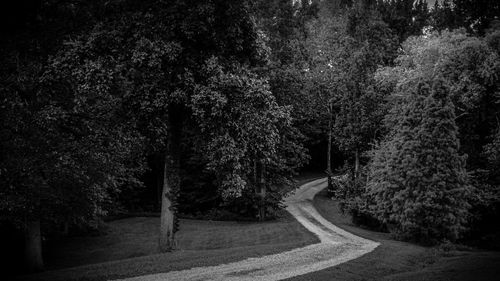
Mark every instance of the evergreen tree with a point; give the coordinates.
(417, 179)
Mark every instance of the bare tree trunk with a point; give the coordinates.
(167, 215)
(356, 163)
(262, 207)
(329, 151)
(171, 180)
(33, 246)
(159, 184)
(255, 177)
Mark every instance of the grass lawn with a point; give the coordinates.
(395, 260)
(130, 247)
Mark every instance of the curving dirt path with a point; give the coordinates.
(336, 246)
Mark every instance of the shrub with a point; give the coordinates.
(351, 194)
(485, 209)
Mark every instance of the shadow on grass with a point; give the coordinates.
(130, 247)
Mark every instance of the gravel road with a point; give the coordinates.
(336, 246)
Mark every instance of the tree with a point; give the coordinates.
(284, 25)
(79, 124)
(466, 65)
(242, 122)
(65, 154)
(492, 153)
(325, 78)
(469, 66)
(492, 148)
(233, 43)
(405, 17)
(368, 43)
(346, 45)
(475, 16)
(417, 178)
(443, 16)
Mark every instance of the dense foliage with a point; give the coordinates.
(405, 170)
(209, 108)
(144, 80)
(417, 182)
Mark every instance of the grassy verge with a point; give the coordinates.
(129, 247)
(396, 260)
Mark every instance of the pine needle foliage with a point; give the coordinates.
(417, 180)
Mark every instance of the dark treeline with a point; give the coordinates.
(208, 109)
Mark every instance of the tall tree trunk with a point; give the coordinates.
(255, 177)
(329, 151)
(356, 163)
(171, 180)
(262, 207)
(167, 215)
(159, 181)
(33, 246)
